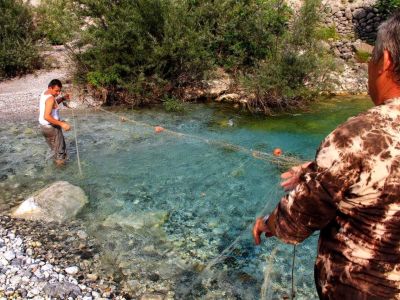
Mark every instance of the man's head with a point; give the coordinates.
(55, 87)
(384, 67)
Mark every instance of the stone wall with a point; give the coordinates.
(353, 21)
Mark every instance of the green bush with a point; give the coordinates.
(134, 47)
(362, 56)
(296, 71)
(173, 105)
(388, 6)
(140, 46)
(56, 21)
(145, 50)
(18, 52)
(326, 33)
(240, 32)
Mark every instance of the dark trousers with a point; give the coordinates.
(55, 139)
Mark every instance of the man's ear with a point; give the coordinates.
(387, 61)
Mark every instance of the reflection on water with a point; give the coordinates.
(165, 207)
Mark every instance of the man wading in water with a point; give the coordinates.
(50, 123)
(351, 192)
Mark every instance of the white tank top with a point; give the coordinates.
(42, 104)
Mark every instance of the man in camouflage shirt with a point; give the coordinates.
(351, 192)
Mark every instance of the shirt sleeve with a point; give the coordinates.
(314, 202)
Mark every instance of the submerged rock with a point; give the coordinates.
(137, 220)
(58, 202)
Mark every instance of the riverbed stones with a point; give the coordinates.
(58, 202)
(31, 275)
(137, 220)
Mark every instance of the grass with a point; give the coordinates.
(326, 33)
(362, 56)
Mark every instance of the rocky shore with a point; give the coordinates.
(51, 261)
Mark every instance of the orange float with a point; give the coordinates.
(158, 129)
(277, 151)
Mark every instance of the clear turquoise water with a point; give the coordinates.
(185, 200)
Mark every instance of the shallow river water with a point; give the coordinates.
(175, 212)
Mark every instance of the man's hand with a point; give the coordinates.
(66, 97)
(291, 177)
(260, 227)
(65, 126)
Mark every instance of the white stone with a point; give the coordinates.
(47, 267)
(82, 235)
(9, 255)
(72, 270)
(38, 274)
(58, 202)
(35, 291)
(18, 241)
(15, 280)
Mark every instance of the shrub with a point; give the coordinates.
(18, 52)
(145, 50)
(136, 47)
(326, 33)
(172, 104)
(362, 56)
(296, 71)
(56, 21)
(240, 32)
(388, 6)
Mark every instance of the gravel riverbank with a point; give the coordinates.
(50, 261)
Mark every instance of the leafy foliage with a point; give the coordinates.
(240, 33)
(172, 104)
(138, 46)
(56, 21)
(326, 33)
(143, 50)
(362, 56)
(296, 71)
(18, 53)
(388, 6)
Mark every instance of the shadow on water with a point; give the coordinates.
(173, 213)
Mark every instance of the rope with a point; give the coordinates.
(292, 295)
(76, 144)
(282, 161)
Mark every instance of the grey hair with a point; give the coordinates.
(388, 38)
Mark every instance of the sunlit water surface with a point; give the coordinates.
(165, 208)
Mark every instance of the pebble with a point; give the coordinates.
(82, 235)
(72, 270)
(9, 255)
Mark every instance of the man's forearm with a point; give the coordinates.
(53, 121)
(270, 223)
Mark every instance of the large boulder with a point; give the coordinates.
(60, 201)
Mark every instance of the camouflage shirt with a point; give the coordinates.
(351, 192)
